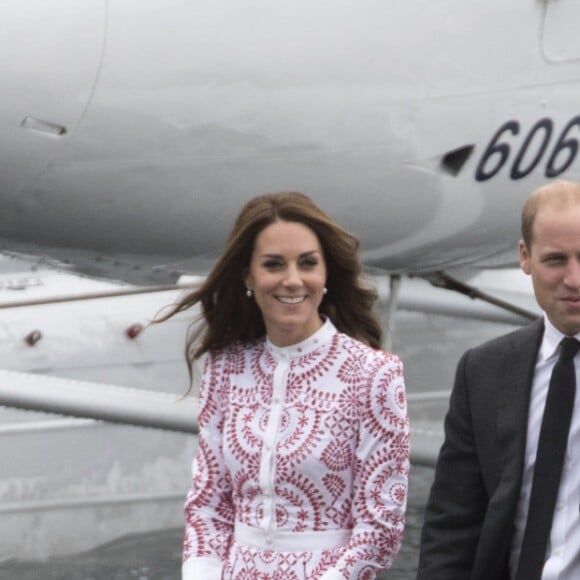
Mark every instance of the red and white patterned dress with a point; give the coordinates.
(303, 462)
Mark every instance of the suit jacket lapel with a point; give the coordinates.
(513, 395)
(513, 406)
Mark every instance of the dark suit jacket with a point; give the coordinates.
(470, 513)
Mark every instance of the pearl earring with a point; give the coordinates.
(249, 293)
(324, 290)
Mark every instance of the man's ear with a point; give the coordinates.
(524, 258)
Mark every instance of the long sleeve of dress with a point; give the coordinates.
(208, 507)
(381, 481)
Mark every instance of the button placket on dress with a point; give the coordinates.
(268, 458)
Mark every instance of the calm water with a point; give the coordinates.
(157, 556)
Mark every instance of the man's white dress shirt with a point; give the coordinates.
(563, 552)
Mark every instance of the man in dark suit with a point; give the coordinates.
(479, 513)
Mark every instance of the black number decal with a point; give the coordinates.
(494, 148)
(563, 144)
(517, 172)
(498, 151)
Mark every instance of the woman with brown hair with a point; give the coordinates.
(303, 457)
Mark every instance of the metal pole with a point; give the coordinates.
(97, 401)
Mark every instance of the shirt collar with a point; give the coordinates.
(320, 337)
(551, 340)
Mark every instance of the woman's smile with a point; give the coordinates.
(291, 299)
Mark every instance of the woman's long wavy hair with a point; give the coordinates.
(229, 316)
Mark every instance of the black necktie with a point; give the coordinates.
(549, 460)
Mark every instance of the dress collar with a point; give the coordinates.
(320, 337)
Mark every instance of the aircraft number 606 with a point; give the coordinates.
(535, 149)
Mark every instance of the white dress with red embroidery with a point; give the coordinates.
(303, 462)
